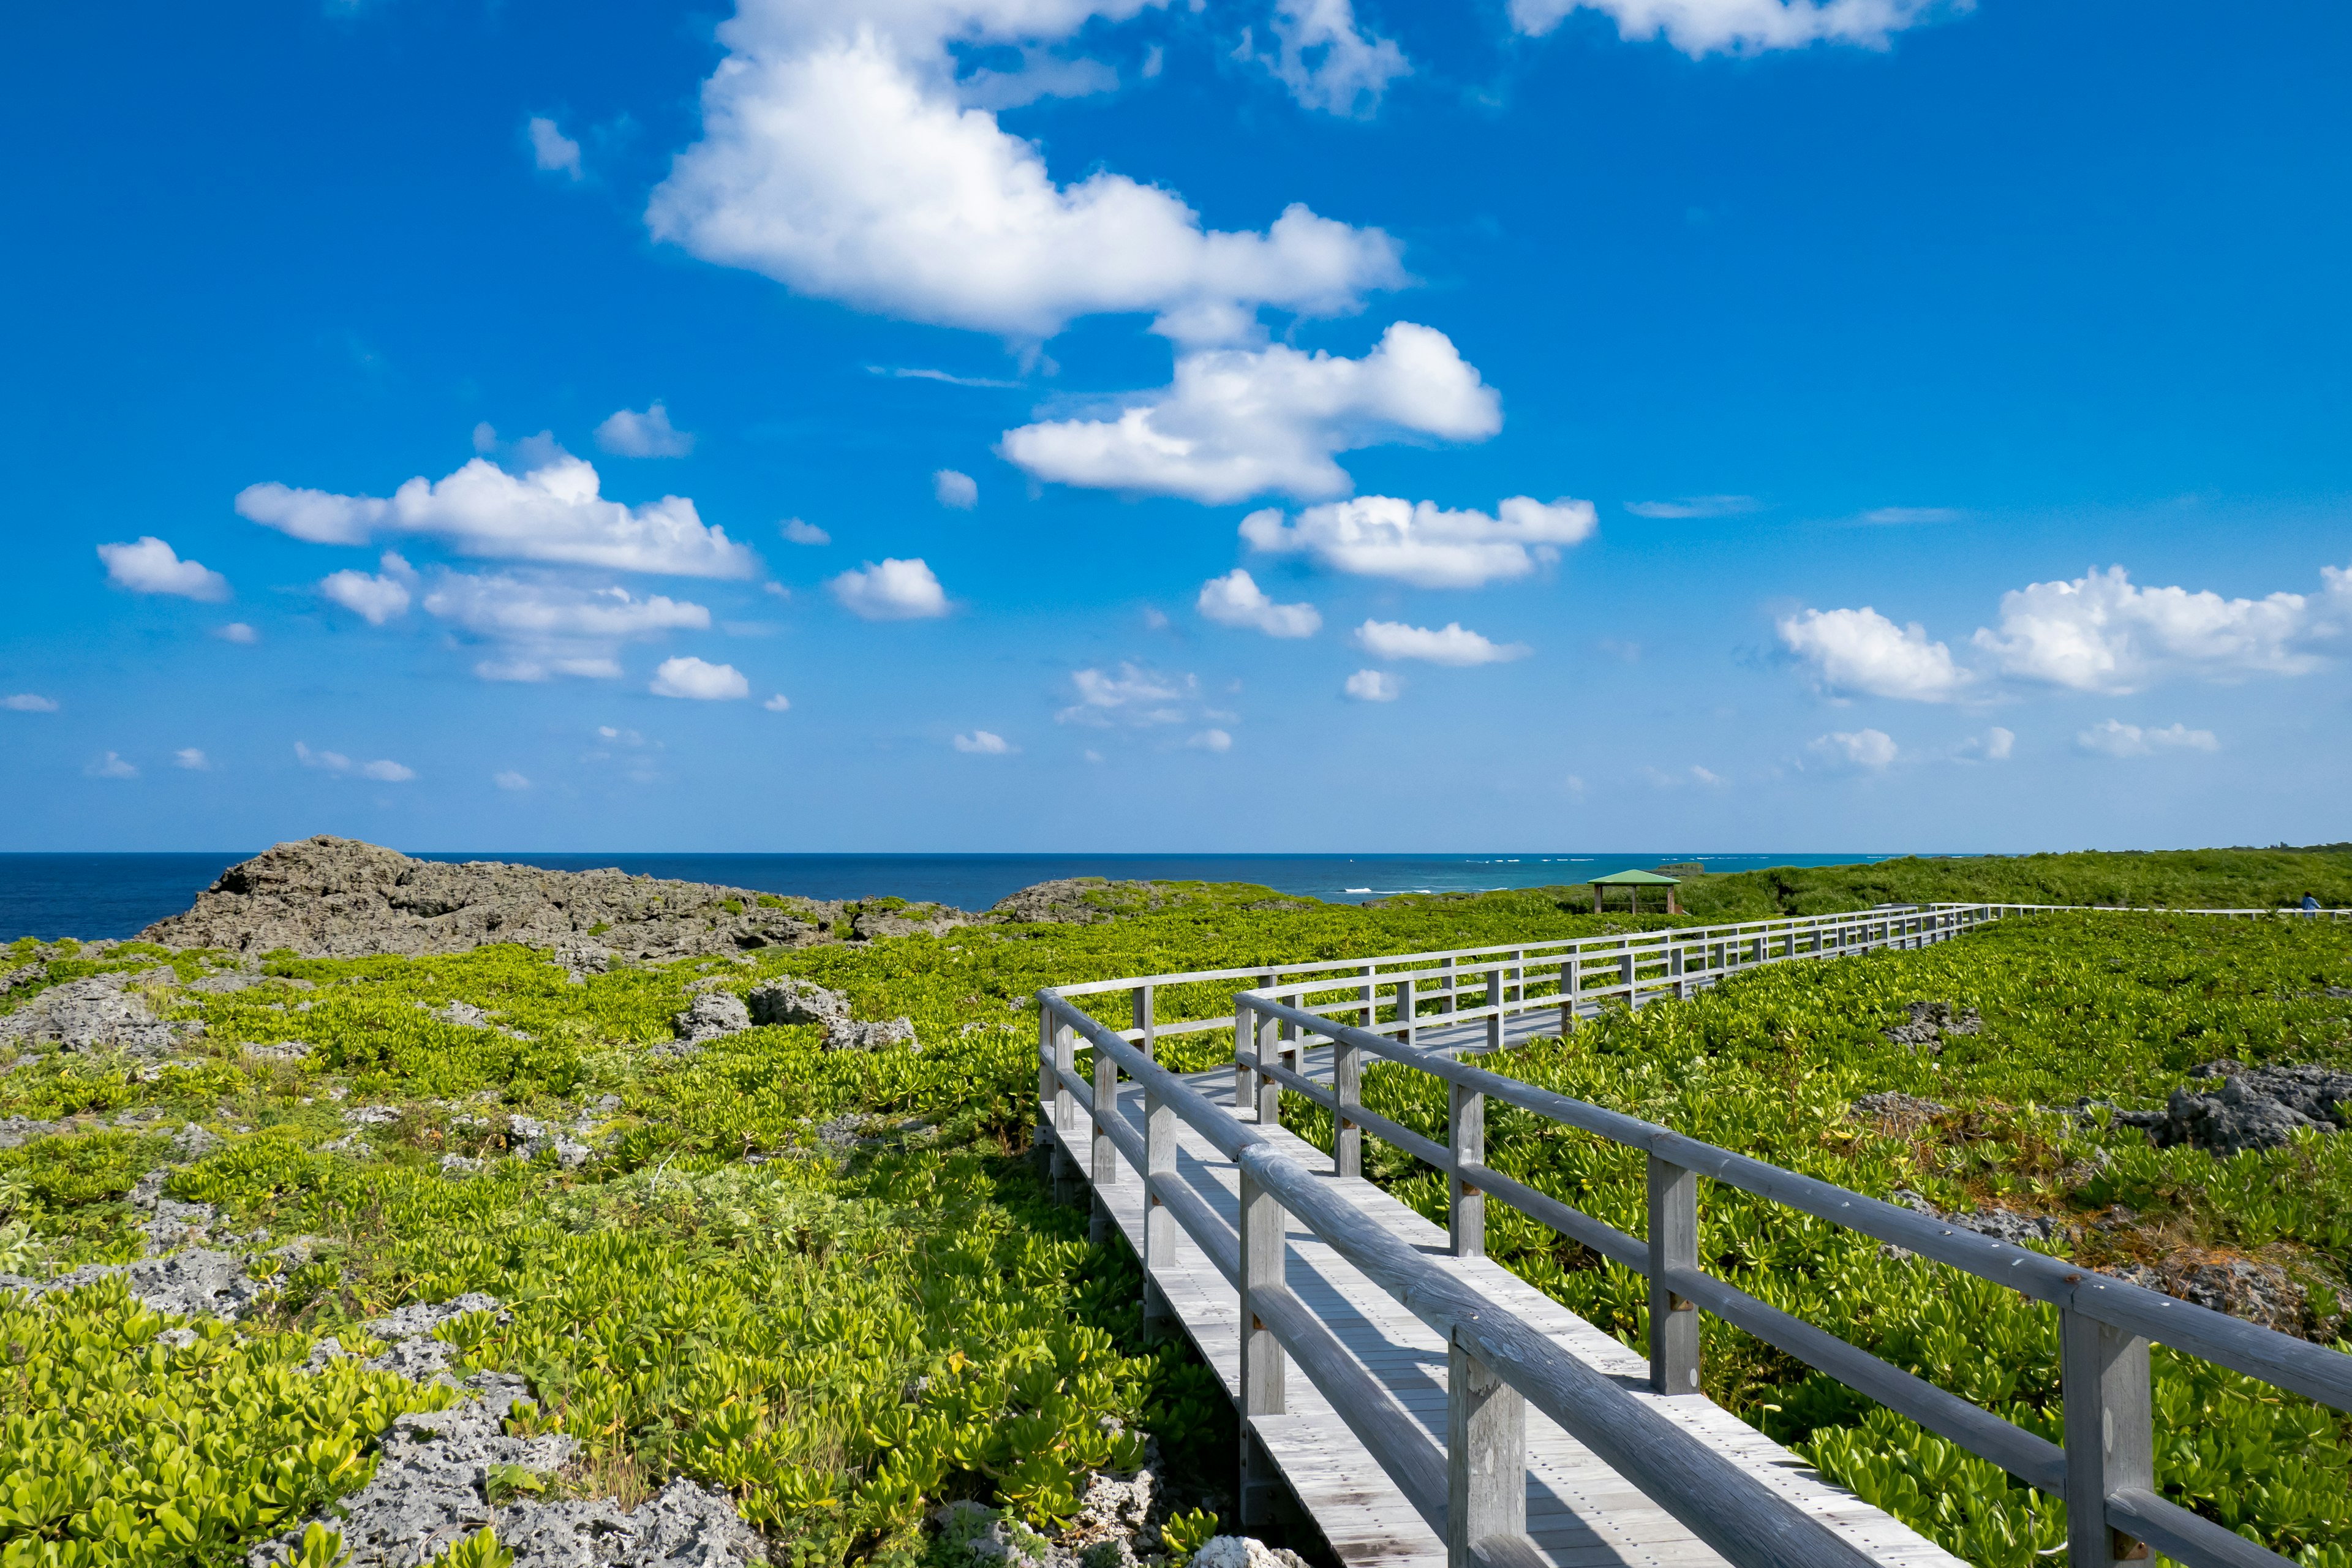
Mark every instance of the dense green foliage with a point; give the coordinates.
(723, 1293)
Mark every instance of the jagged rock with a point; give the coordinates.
(372, 1115)
(1244, 1552)
(191, 1283)
(2257, 1292)
(465, 1014)
(1899, 1113)
(847, 1035)
(2006, 1225)
(713, 1015)
(459, 1165)
(795, 1001)
(95, 1013)
(530, 1138)
(17, 1130)
(193, 1143)
(2261, 1108)
(223, 984)
(1930, 1022)
(579, 960)
(340, 898)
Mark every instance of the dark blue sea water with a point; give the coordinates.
(93, 896)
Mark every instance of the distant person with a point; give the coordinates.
(2310, 906)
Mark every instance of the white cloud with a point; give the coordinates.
(801, 532)
(1134, 696)
(842, 163)
(1210, 741)
(1240, 422)
(1448, 645)
(1699, 27)
(384, 770)
(1871, 749)
(1695, 506)
(1706, 776)
(779, 703)
(2117, 739)
(2101, 633)
(985, 743)
(552, 512)
(628, 433)
(29, 702)
(1237, 600)
(1373, 686)
(1382, 536)
(893, 590)
(1999, 743)
(510, 779)
(552, 150)
(376, 598)
(238, 632)
(957, 490)
(1862, 650)
(547, 629)
(1906, 514)
(691, 678)
(193, 759)
(110, 766)
(1327, 62)
(151, 567)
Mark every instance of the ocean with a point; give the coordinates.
(94, 896)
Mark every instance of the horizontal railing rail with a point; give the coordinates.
(1417, 1011)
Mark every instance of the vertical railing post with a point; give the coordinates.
(1147, 1027)
(1271, 1032)
(2102, 1374)
(1159, 1224)
(1571, 985)
(1466, 1206)
(1244, 1048)
(1262, 1227)
(1452, 981)
(1102, 1172)
(1625, 965)
(1518, 975)
(1673, 1245)
(1675, 969)
(1366, 996)
(1486, 1456)
(1065, 1112)
(1405, 1007)
(1045, 1085)
(1495, 1031)
(1348, 1091)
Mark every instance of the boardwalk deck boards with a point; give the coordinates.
(1581, 1514)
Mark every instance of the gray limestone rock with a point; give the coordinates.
(712, 1016)
(17, 1130)
(193, 1143)
(100, 1012)
(2261, 1108)
(196, 1283)
(579, 960)
(1929, 1023)
(795, 1001)
(849, 1034)
(340, 898)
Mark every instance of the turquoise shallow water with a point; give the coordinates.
(92, 896)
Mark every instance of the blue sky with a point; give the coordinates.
(1032, 424)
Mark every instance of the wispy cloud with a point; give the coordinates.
(1695, 506)
(915, 373)
(1903, 514)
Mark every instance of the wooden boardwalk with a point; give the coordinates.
(1581, 1514)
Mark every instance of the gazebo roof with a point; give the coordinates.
(1635, 879)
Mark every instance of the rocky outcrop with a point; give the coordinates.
(2261, 1107)
(340, 898)
(788, 1001)
(102, 1012)
(1898, 1114)
(196, 1283)
(1929, 1023)
(795, 1001)
(2257, 1292)
(712, 1016)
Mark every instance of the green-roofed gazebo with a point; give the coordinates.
(1633, 882)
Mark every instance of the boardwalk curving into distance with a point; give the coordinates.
(1424, 1405)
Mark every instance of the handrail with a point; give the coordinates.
(2106, 1324)
(1731, 1509)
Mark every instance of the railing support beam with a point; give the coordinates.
(1485, 1457)
(2110, 1446)
(1673, 1245)
(1262, 1223)
(1466, 1206)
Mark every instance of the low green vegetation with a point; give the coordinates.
(771, 1244)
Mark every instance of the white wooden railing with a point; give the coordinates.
(1416, 1010)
